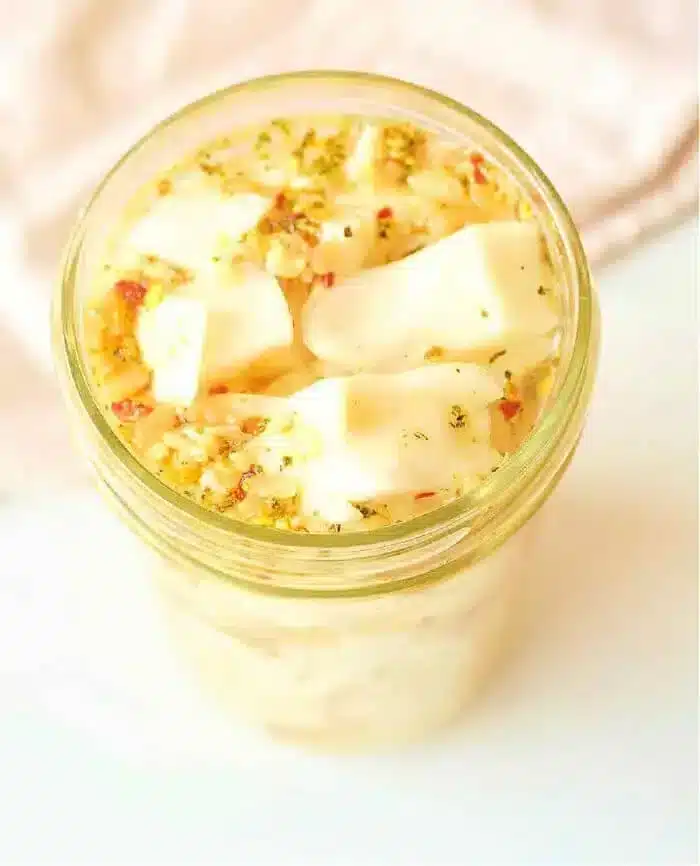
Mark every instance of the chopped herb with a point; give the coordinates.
(216, 259)
(508, 375)
(484, 314)
(458, 417)
(287, 460)
(541, 290)
(276, 508)
(434, 352)
(211, 168)
(420, 435)
(366, 511)
(347, 232)
(334, 527)
(496, 356)
(308, 139)
(383, 233)
(283, 125)
(262, 139)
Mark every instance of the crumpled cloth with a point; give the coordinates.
(602, 94)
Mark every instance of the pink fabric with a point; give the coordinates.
(602, 93)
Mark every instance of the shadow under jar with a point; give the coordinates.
(352, 639)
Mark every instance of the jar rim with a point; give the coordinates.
(461, 510)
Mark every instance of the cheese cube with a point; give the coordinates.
(383, 434)
(211, 328)
(171, 339)
(474, 289)
(185, 229)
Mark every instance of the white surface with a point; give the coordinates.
(583, 751)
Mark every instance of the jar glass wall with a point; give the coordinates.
(351, 638)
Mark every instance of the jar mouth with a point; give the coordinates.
(460, 512)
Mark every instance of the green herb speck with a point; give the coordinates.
(262, 139)
(366, 511)
(458, 417)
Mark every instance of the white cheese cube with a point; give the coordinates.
(171, 339)
(360, 164)
(247, 316)
(383, 434)
(471, 290)
(186, 229)
(211, 328)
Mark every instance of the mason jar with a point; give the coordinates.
(351, 639)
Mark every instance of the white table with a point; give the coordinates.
(582, 752)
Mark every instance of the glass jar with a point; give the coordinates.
(344, 639)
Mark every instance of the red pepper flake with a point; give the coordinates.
(239, 493)
(509, 408)
(280, 200)
(308, 237)
(328, 280)
(129, 410)
(385, 213)
(479, 176)
(254, 425)
(476, 158)
(424, 495)
(219, 388)
(132, 292)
